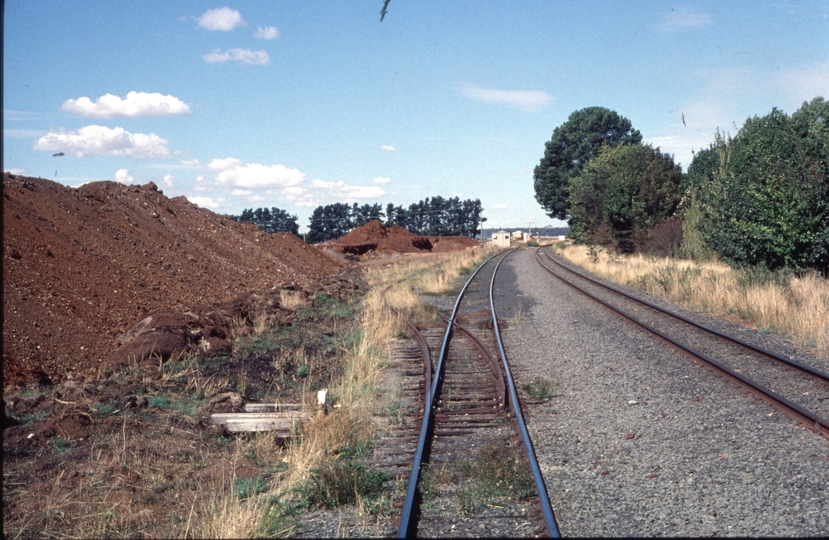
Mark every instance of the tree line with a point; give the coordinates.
(432, 216)
(760, 198)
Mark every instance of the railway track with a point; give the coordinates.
(473, 471)
(798, 390)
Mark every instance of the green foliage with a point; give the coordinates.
(61, 445)
(271, 221)
(571, 147)
(248, 487)
(627, 188)
(102, 409)
(339, 482)
(542, 389)
(767, 203)
(329, 222)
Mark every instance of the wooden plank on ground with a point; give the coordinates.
(272, 407)
(282, 426)
(221, 418)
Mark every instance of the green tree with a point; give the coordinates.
(329, 222)
(271, 221)
(628, 189)
(573, 144)
(768, 202)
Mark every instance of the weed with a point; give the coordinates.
(501, 472)
(160, 402)
(541, 389)
(248, 487)
(340, 482)
(426, 484)
(102, 409)
(61, 445)
(467, 502)
(279, 519)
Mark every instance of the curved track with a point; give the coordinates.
(471, 408)
(793, 387)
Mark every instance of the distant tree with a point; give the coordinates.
(572, 145)
(360, 215)
(329, 222)
(395, 215)
(271, 221)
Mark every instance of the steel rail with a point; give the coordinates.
(780, 358)
(794, 410)
(426, 426)
(544, 499)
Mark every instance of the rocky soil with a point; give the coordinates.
(84, 268)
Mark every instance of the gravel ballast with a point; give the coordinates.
(640, 440)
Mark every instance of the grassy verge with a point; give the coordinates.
(796, 307)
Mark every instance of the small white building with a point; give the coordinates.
(501, 239)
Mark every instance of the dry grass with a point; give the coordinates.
(796, 307)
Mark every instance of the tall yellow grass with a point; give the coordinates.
(798, 309)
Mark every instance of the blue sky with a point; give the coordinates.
(297, 104)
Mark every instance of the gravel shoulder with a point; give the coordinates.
(641, 441)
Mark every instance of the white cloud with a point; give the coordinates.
(190, 162)
(168, 180)
(15, 170)
(523, 100)
(104, 141)
(204, 202)
(123, 176)
(349, 192)
(200, 185)
(253, 175)
(241, 192)
(387, 148)
(499, 206)
(135, 104)
(380, 181)
(243, 56)
(682, 19)
(224, 19)
(266, 32)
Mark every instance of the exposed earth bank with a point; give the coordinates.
(374, 239)
(104, 274)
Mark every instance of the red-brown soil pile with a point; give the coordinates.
(88, 270)
(374, 237)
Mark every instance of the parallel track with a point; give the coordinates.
(470, 403)
(735, 356)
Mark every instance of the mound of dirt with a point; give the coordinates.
(373, 237)
(103, 268)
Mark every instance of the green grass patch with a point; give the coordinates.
(541, 389)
